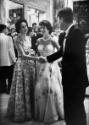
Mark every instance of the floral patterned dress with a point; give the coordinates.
(48, 89)
(20, 105)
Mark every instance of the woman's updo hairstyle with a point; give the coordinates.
(46, 24)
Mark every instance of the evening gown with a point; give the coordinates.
(48, 89)
(20, 105)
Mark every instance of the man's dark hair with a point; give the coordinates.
(18, 24)
(47, 24)
(29, 30)
(67, 14)
(2, 27)
(33, 24)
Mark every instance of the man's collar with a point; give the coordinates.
(67, 31)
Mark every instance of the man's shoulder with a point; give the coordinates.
(3, 36)
(75, 30)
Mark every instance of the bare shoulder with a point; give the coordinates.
(54, 40)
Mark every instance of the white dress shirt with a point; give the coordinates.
(66, 34)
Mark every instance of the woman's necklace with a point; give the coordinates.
(46, 41)
(46, 38)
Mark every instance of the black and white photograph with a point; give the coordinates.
(44, 62)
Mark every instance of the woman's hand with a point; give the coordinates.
(31, 57)
(27, 52)
(42, 59)
(32, 52)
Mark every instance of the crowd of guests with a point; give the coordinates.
(41, 86)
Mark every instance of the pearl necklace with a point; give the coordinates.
(46, 40)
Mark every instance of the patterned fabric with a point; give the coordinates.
(20, 105)
(48, 90)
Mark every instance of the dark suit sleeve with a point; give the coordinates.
(54, 56)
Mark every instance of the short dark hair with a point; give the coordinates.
(47, 24)
(34, 24)
(67, 14)
(18, 24)
(2, 27)
(29, 30)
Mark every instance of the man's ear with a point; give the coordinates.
(60, 19)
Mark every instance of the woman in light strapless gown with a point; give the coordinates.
(48, 89)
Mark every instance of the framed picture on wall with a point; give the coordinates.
(81, 14)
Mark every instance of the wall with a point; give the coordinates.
(42, 5)
(69, 3)
(58, 4)
(3, 11)
(45, 7)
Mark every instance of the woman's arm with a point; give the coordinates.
(24, 54)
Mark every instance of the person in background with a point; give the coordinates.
(13, 34)
(20, 104)
(7, 59)
(87, 53)
(34, 27)
(48, 89)
(74, 72)
(34, 36)
(29, 33)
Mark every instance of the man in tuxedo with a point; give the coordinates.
(74, 73)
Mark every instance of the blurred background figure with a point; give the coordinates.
(13, 34)
(35, 34)
(29, 33)
(34, 27)
(7, 59)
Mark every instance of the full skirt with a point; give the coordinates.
(21, 105)
(48, 93)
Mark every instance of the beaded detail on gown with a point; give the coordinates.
(20, 105)
(48, 90)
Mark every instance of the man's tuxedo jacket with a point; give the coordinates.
(74, 72)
